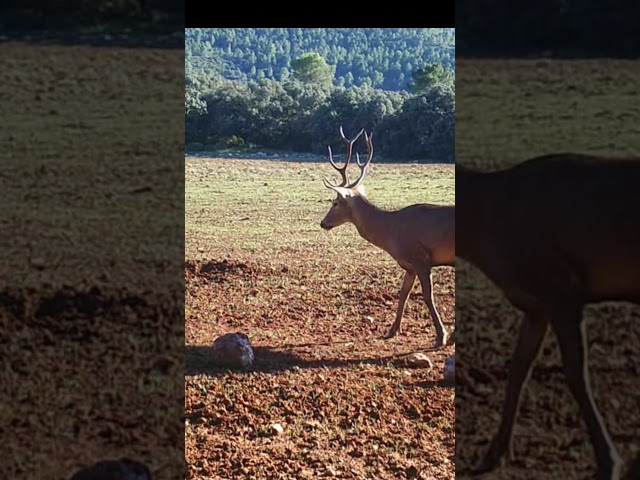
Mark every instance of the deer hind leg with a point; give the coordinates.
(426, 280)
(530, 337)
(407, 285)
(570, 330)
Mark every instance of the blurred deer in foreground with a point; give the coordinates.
(554, 233)
(419, 237)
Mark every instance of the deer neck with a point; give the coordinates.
(371, 222)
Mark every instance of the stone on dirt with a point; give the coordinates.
(418, 360)
(277, 429)
(124, 469)
(233, 350)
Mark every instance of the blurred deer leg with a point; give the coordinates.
(570, 331)
(532, 332)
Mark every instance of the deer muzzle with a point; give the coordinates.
(325, 226)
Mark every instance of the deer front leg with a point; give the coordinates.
(426, 281)
(532, 332)
(407, 285)
(570, 331)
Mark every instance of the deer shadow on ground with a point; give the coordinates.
(199, 361)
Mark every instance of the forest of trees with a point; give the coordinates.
(147, 15)
(588, 28)
(228, 105)
(306, 117)
(377, 57)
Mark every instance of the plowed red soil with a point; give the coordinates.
(89, 375)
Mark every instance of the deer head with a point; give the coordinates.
(347, 191)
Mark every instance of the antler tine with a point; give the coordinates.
(349, 144)
(369, 143)
(342, 170)
(344, 137)
(365, 165)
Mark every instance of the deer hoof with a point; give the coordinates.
(390, 334)
(440, 342)
(487, 464)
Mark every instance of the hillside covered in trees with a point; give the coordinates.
(378, 57)
(248, 90)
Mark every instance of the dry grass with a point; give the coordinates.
(90, 152)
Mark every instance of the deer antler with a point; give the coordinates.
(343, 170)
(365, 165)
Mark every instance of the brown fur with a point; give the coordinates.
(554, 233)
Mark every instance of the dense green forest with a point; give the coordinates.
(378, 57)
(299, 100)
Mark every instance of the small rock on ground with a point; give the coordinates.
(418, 360)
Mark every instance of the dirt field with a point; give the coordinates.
(91, 328)
(508, 111)
(314, 305)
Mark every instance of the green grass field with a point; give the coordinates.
(274, 208)
(89, 148)
(507, 112)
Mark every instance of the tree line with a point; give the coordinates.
(572, 29)
(305, 116)
(149, 15)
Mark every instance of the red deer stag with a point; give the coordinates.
(554, 233)
(419, 237)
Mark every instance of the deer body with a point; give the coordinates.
(554, 233)
(397, 233)
(419, 237)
